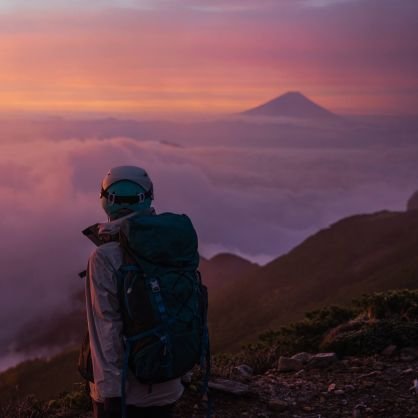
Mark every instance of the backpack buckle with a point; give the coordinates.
(155, 286)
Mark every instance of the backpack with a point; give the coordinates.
(163, 301)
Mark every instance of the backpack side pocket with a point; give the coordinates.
(85, 365)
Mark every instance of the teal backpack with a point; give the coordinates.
(163, 301)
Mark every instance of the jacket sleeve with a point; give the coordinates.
(105, 325)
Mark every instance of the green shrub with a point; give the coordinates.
(372, 337)
(306, 335)
(367, 327)
(69, 405)
(395, 304)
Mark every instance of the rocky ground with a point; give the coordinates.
(302, 386)
(322, 387)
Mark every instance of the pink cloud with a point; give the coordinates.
(138, 60)
(253, 200)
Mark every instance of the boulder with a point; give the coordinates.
(229, 386)
(322, 360)
(302, 357)
(287, 364)
(242, 371)
(277, 405)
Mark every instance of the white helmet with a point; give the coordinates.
(126, 189)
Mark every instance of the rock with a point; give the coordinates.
(389, 350)
(371, 374)
(186, 379)
(414, 387)
(358, 410)
(408, 354)
(332, 387)
(302, 357)
(408, 371)
(278, 405)
(242, 371)
(287, 364)
(339, 392)
(229, 386)
(322, 360)
(379, 365)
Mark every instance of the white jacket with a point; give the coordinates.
(105, 329)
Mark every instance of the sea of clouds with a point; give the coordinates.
(258, 203)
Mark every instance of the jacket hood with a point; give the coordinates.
(113, 227)
(97, 232)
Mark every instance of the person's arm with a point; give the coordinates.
(105, 326)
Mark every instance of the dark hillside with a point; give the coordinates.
(356, 255)
(224, 270)
(45, 379)
(67, 327)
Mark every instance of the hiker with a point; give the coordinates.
(126, 191)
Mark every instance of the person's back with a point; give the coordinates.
(126, 191)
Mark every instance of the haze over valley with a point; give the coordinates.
(255, 185)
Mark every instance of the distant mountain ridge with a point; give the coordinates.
(223, 270)
(357, 255)
(293, 105)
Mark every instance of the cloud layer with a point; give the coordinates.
(255, 202)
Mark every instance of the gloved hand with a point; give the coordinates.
(112, 408)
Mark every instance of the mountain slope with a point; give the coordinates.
(224, 270)
(291, 104)
(67, 327)
(357, 255)
(57, 375)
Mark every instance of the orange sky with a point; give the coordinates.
(348, 55)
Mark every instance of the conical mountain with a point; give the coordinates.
(291, 104)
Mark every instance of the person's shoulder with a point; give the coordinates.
(107, 250)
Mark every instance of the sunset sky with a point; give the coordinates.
(206, 56)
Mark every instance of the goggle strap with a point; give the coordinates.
(131, 200)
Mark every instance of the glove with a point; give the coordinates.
(112, 408)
